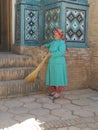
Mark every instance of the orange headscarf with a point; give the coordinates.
(59, 31)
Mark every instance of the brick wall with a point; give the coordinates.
(93, 42)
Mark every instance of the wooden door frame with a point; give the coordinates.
(10, 23)
(6, 24)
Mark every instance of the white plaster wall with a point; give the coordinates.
(13, 21)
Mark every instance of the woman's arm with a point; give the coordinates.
(47, 45)
(61, 50)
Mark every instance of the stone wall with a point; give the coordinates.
(35, 52)
(93, 42)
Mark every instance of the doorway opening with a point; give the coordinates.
(5, 25)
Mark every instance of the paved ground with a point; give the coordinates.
(75, 110)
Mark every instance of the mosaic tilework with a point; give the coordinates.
(31, 25)
(75, 25)
(52, 20)
(17, 33)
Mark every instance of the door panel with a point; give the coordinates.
(5, 25)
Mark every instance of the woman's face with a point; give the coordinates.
(56, 36)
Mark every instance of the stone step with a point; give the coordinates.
(14, 88)
(14, 73)
(10, 60)
(13, 69)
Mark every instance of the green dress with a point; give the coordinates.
(56, 73)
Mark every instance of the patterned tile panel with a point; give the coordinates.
(17, 33)
(75, 25)
(31, 25)
(52, 21)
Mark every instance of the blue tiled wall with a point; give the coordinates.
(35, 21)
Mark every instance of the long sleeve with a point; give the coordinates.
(60, 51)
(48, 44)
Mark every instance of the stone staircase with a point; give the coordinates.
(13, 69)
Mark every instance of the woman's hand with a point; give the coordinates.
(49, 54)
(67, 49)
(43, 47)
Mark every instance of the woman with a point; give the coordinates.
(56, 74)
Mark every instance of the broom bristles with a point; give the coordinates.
(32, 76)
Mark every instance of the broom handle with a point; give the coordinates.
(42, 63)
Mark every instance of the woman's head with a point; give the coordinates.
(58, 34)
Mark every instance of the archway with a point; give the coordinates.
(5, 25)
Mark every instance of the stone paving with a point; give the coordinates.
(75, 110)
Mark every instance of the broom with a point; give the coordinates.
(32, 76)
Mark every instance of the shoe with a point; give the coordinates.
(51, 94)
(56, 95)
